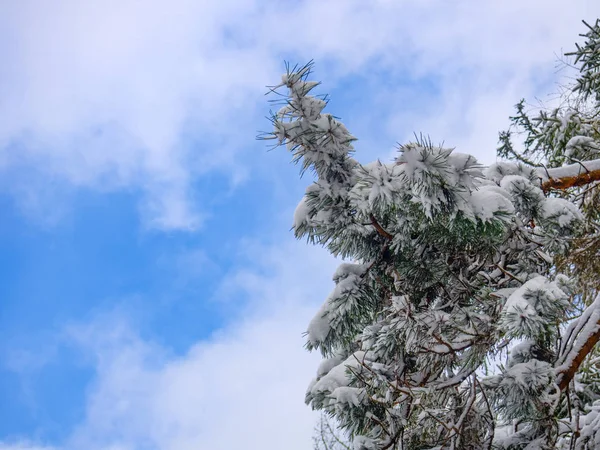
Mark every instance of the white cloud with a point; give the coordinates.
(103, 94)
(106, 94)
(23, 445)
(242, 388)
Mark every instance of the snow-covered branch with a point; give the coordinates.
(573, 175)
(581, 338)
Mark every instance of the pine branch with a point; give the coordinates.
(573, 175)
(380, 229)
(580, 343)
(569, 182)
(566, 375)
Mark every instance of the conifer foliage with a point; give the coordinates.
(449, 265)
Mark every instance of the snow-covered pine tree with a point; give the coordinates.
(570, 134)
(448, 265)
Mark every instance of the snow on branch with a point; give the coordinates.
(582, 336)
(573, 175)
(444, 257)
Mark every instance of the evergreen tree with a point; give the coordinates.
(449, 265)
(569, 134)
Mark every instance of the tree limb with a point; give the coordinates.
(380, 229)
(567, 373)
(572, 181)
(573, 175)
(580, 345)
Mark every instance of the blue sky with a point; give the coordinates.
(152, 294)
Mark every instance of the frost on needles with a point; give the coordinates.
(450, 266)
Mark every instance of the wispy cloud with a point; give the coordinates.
(242, 388)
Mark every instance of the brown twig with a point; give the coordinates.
(380, 229)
